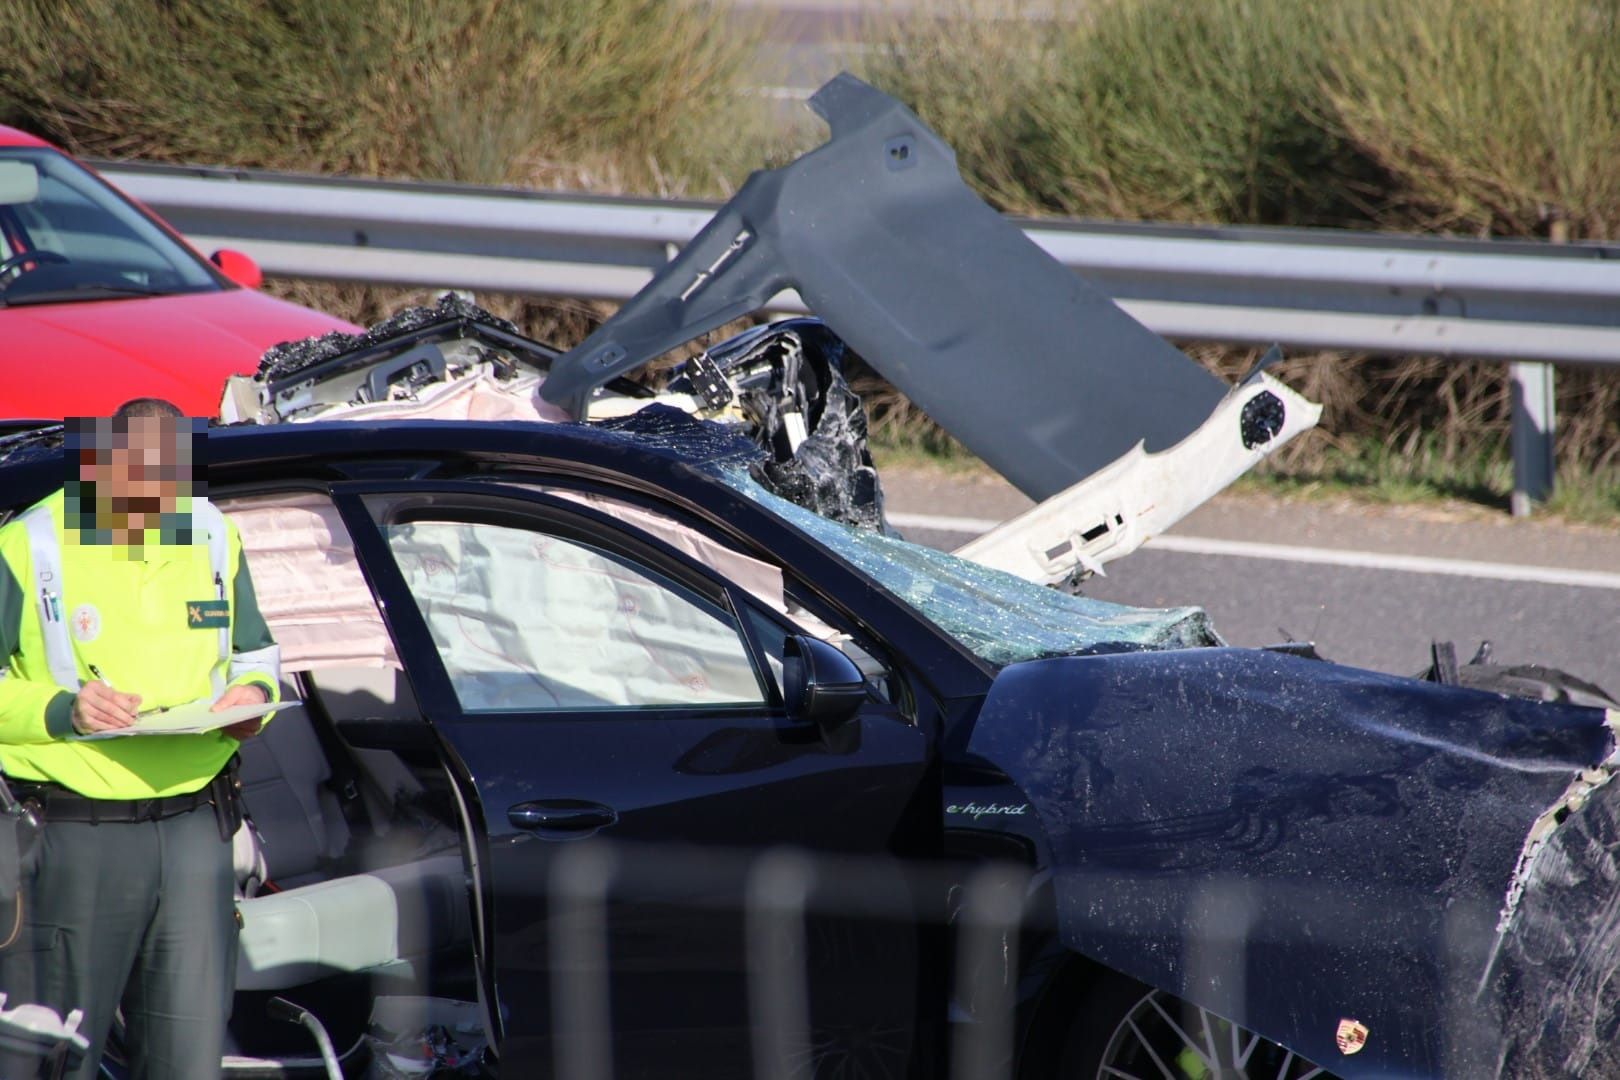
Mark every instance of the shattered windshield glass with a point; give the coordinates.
(1000, 618)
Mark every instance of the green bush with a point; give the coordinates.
(1138, 109)
(597, 93)
(1497, 117)
(1500, 117)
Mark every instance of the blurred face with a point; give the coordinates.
(138, 474)
(139, 469)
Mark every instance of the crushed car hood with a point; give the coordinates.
(1293, 844)
(1036, 371)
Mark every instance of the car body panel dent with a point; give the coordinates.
(1286, 842)
(1554, 961)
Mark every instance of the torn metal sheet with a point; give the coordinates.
(1039, 374)
(782, 385)
(1557, 957)
(409, 358)
(785, 383)
(294, 357)
(1534, 681)
(1290, 843)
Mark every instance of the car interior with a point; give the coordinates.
(364, 917)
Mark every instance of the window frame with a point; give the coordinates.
(463, 501)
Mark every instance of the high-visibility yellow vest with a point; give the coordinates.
(175, 624)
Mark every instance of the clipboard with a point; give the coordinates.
(192, 718)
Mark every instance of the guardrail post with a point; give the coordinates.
(1534, 425)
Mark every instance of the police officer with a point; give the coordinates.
(120, 594)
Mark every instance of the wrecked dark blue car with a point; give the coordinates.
(510, 637)
(599, 613)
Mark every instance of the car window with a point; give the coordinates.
(527, 620)
(783, 611)
(96, 239)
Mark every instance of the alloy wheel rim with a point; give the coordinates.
(1162, 1038)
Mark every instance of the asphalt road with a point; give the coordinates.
(1371, 615)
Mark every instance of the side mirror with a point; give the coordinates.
(820, 683)
(238, 267)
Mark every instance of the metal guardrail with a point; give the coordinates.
(1528, 303)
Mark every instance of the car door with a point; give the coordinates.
(588, 679)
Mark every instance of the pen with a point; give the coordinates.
(100, 678)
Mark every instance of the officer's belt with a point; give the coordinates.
(57, 803)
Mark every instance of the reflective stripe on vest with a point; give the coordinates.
(47, 557)
(205, 515)
(46, 553)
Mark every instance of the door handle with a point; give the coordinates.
(563, 815)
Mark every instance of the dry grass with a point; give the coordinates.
(1135, 109)
(1499, 117)
(538, 92)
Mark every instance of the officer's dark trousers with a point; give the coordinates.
(139, 914)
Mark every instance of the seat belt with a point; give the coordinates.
(346, 775)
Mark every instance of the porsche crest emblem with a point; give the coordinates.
(1351, 1036)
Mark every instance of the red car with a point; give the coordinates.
(101, 301)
